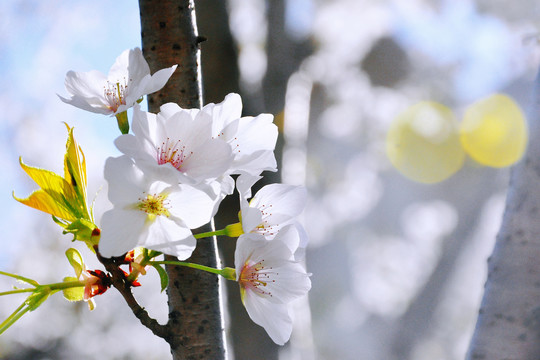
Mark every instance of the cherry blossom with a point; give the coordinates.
(128, 80)
(270, 279)
(150, 212)
(272, 208)
(178, 145)
(252, 139)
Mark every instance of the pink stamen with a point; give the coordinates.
(256, 277)
(115, 93)
(173, 153)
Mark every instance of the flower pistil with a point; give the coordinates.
(115, 93)
(255, 277)
(156, 205)
(173, 153)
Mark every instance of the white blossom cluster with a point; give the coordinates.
(177, 167)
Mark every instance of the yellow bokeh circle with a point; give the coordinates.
(494, 131)
(423, 143)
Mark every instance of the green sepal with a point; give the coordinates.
(229, 273)
(123, 123)
(163, 276)
(73, 293)
(82, 230)
(38, 297)
(234, 230)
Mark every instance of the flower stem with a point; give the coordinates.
(17, 314)
(226, 272)
(210, 234)
(21, 278)
(65, 285)
(17, 291)
(232, 230)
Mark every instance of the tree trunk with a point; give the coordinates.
(169, 36)
(508, 324)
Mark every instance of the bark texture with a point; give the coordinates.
(169, 36)
(508, 324)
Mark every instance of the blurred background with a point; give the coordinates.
(398, 267)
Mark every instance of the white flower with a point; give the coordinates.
(269, 280)
(129, 79)
(272, 208)
(252, 139)
(149, 212)
(177, 144)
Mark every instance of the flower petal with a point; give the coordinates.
(126, 181)
(85, 84)
(209, 161)
(159, 79)
(224, 113)
(86, 90)
(274, 318)
(121, 231)
(244, 183)
(251, 218)
(130, 66)
(192, 205)
(169, 237)
(95, 105)
(286, 200)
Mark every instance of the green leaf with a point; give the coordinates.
(16, 315)
(75, 170)
(38, 297)
(163, 276)
(73, 293)
(20, 278)
(62, 197)
(76, 261)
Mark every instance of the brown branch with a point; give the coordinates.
(120, 283)
(169, 37)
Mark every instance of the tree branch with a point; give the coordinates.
(169, 36)
(120, 283)
(508, 324)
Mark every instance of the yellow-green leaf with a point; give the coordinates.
(76, 260)
(42, 201)
(57, 188)
(38, 297)
(73, 293)
(75, 166)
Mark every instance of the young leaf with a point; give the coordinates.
(163, 276)
(76, 260)
(73, 293)
(75, 168)
(38, 297)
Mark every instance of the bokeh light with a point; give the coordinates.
(423, 143)
(494, 131)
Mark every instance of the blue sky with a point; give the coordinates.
(39, 42)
